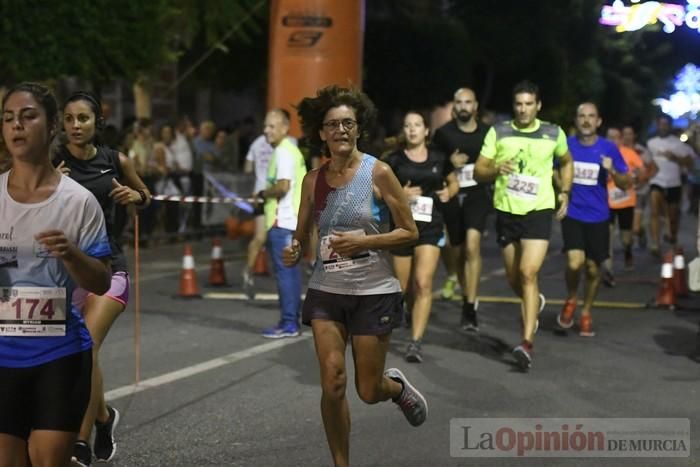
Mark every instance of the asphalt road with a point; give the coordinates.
(213, 392)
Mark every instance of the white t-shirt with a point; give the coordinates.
(287, 163)
(259, 154)
(669, 174)
(182, 152)
(24, 263)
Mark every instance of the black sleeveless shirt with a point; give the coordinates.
(96, 175)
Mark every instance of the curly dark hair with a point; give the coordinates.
(312, 111)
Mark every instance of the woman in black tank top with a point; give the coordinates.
(111, 177)
(428, 180)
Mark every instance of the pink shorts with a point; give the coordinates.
(118, 291)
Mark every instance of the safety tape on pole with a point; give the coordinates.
(201, 199)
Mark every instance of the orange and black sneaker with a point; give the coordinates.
(565, 318)
(585, 326)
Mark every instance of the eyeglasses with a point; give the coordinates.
(334, 125)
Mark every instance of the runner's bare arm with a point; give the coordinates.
(685, 161)
(134, 182)
(486, 170)
(566, 175)
(452, 184)
(622, 181)
(292, 254)
(405, 230)
(278, 190)
(92, 274)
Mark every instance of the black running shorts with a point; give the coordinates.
(52, 396)
(590, 237)
(429, 233)
(535, 225)
(624, 217)
(362, 315)
(469, 209)
(672, 195)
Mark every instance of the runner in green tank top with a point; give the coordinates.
(519, 156)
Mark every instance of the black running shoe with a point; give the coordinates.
(608, 279)
(469, 322)
(82, 454)
(414, 353)
(105, 446)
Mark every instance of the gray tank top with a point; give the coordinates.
(352, 207)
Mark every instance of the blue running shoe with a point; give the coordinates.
(282, 330)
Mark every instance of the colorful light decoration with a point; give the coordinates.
(685, 102)
(639, 15)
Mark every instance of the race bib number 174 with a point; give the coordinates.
(32, 311)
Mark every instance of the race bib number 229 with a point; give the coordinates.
(523, 186)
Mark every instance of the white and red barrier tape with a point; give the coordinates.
(201, 199)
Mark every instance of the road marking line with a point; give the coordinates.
(186, 372)
(482, 298)
(558, 301)
(240, 296)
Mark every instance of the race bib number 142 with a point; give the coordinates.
(586, 173)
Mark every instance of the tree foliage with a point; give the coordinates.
(99, 40)
(419, 51)
(93, 39)
(231, 36)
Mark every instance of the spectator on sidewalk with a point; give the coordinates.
(282, 198)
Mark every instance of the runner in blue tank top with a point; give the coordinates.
(352, 291)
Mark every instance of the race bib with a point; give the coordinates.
(618, 196)
(33, 311)
(333, 262)
(422, 208)
(465, 176)
(586, 173)
(523, 186)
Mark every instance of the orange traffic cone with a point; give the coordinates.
(260, 268)
(232, 227)
(217, 273)
(680, 281)
(666, 296)
(188, 277)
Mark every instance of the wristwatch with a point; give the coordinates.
(143, 199)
